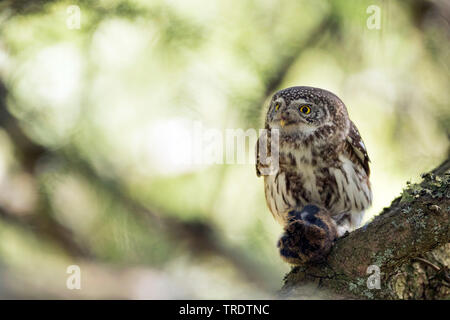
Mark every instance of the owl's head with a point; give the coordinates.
(303, 111)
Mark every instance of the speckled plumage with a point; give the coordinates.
(322, 159)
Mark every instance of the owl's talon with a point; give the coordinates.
(308, 237)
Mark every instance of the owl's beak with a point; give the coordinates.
(282, 123)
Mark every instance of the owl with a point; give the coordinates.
(323, 166)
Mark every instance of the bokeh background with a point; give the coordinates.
(95, 136)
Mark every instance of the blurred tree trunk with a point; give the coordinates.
(409, 242)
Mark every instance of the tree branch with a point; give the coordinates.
(409, 242)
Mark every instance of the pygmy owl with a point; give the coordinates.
(323, 161)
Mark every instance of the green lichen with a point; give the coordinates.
(352, 287)
(435, 186)
(361, 281)
(406, 210)
(417, 219)
(359, 288)
(381, 258)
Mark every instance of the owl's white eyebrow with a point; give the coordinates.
(299, 101)
(279, 100)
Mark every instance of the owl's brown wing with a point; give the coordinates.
(358, 148)
(258, 173)
(258, 160)
(262, 163)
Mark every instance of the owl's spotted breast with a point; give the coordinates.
(333, 182)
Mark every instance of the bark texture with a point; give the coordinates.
(409, 241)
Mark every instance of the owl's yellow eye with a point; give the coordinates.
(305, 109)
(277, 106)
